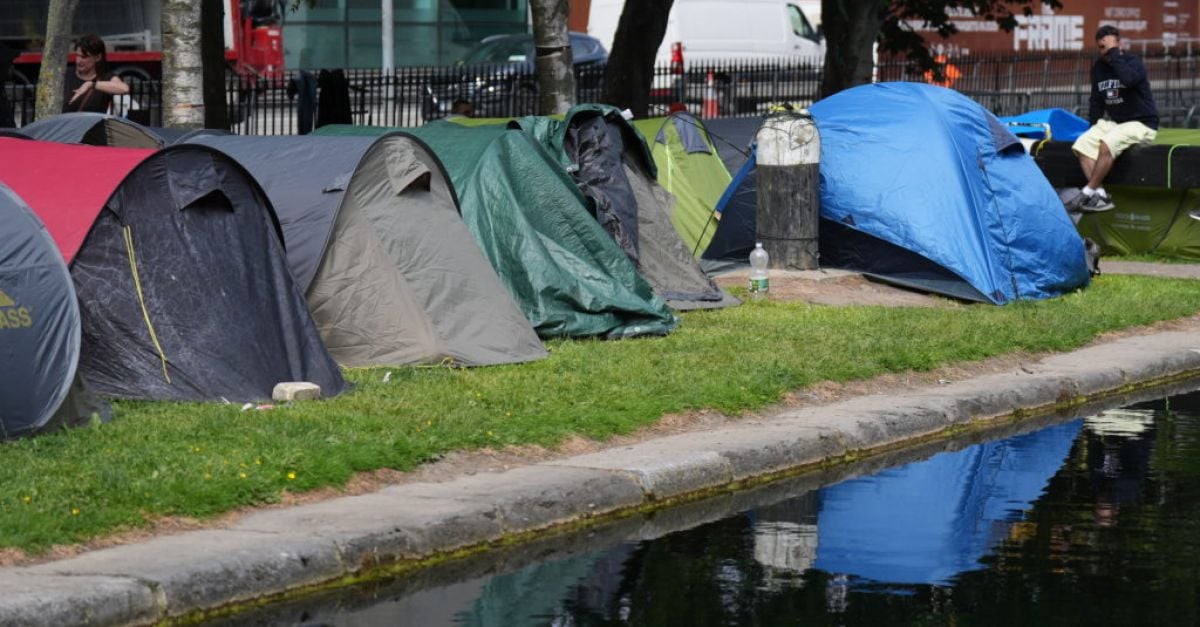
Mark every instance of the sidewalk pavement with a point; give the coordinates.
(278, 551)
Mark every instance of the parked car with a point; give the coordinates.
(497, 76)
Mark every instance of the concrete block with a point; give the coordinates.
(36, 600)
(211, 568)
(296, 391)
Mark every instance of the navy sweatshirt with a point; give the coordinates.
(1120, 88)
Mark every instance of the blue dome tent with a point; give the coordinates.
(922, 186)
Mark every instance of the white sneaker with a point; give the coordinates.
(1096, 202)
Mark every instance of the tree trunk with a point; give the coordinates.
(212, 53)
(555, 71)
(182, 69)
(630, 73)
(851, 29)
(54, 57)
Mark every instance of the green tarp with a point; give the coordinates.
(609, 161)
(1150, 219)
(532, 224)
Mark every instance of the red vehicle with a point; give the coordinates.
(132, 30)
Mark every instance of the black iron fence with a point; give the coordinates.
(1005, 84)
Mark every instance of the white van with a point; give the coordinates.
(716, 30)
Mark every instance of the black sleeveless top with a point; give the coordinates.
(95, 100)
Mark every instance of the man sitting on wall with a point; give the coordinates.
(1121, 90)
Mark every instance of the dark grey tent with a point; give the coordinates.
(172, 136)
(93, 129)
(176, 257)
(734, 235)
(612, 165)
(375, 239)
(39, 329)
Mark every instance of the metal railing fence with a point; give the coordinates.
(1006, 84)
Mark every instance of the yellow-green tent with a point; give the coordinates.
(690, 168)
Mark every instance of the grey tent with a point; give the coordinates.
(93, 129)
(39, 329)
(172, 136)
(612, 165)
(375, 239)
(176, 256)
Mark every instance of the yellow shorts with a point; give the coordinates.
(1118, 137)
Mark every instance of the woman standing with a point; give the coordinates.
(91, 87)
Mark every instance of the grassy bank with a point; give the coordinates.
(159, 459)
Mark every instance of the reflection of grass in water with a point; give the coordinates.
(199, 460)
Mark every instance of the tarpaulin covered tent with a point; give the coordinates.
(612, 166)
(93, 129)
(531, 222)
(39, 329)
(690, 167)
(183, 286)
(375, 241)
(1154, 188)
(925, 522)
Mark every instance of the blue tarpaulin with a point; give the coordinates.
(1063, 125)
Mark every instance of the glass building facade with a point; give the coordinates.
(347, 33)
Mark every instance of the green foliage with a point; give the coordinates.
(199, 460)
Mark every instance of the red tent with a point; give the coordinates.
(65, 184)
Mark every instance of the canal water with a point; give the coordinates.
(1092, 520)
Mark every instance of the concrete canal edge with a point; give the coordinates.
(281, 553)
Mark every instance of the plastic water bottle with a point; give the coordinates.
(759, 283)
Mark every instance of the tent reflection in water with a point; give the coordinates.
(925, 522)
(176, 257)
(39, 330)
(375, 240)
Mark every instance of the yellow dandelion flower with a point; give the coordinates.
(74, 511)
(258, 462)
(291, 476)
(27, 498)
(242, 475)
(490, 434)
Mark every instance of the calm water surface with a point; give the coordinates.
(1091, 521)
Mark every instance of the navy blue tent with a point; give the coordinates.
(925, 522)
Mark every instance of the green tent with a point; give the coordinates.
(690, 168)
(609, 161)
(528, 217)
(1150, 219)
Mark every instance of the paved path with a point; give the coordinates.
(275, 551)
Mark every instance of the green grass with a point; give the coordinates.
(1148, 258)
(197, 460)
